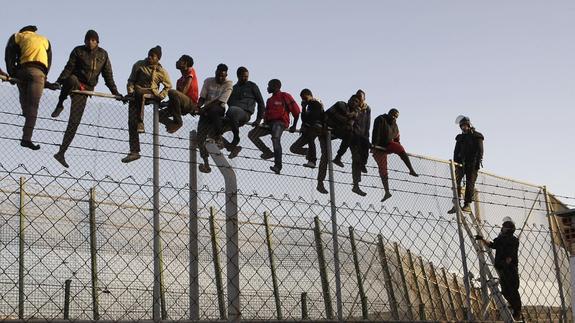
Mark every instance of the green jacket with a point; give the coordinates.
(149, 77)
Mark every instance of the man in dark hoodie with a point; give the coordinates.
(506, 247)
(385, 141)
(312, 124)
(84, 66)
(468, 154)
(360, 135)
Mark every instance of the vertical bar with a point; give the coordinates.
(217, 266)
(387, 278)
(364, 313)
(21, 242)
(449, 294)
(322, 270)
(67, 299)
(193, 236)
(427, 288)
(162, 286)
(94, 255)
(304, 314)
(459, 293)
(403, 281)
(334, 227)
(480, 253)
(417, 289)
(273, 267)
(157, 306)
(436, 283)
(549, 208)
(461, 242)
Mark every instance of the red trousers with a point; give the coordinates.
(380, 156)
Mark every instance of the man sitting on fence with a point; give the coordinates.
(145, 79)
(84, 66)
(184, 98)
(312, 124)
(385, 141)
(276, 119)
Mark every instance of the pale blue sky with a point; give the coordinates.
(509, 65)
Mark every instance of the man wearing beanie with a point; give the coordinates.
(84, 66)
(146, 77)
(28, 58)
(468, 154)
(506, 247)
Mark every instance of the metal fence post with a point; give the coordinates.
(67, 284)
(480, 253)
(334, 228)
(93, 255)
(363, 298)
(232, 242)
(217, 266)
(549, 209)
(193, 236)
(304, 315)
(322, 269)
(21, 242)
(459, 214)
(273, 267)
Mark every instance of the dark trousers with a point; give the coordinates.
(31, 86)
(135, 117)
(179, 104)
(235, 118)
(470, 173)
(275, 129)
(76, 109)
(359, 154)
(307, 137)
(343, 146)
(209, 125)
(509, 280)
(323, 142)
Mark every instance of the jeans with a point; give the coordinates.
(276, 129)
(31, 86)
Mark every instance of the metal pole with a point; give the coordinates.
(387, 278)
(406, 298)
(157, 306)
(217, 266)
(193, 236)
(563, 315)
(304, 314)
(334, 227)
(67, 298)
(21, 242)
(480, 252)
(93, 255)
(449, 294)
(232, 245)
(428, 288)
(322, 270)
(273, 267)
(438, 290)
(461, 242)
(417, 288)
(363, 298)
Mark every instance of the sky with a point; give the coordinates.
(508, 65)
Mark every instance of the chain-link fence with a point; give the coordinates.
(79, 243)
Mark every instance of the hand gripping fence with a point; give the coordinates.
(147, 241)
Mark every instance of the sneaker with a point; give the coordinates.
(141, 128)
(309, 164)
(364, 169)
(320, 188)
(59, 108)
(358, 191)
(204, 168)
(275, 169)
(386, 196)
(29, 144)
(452, 211)
(171, 127)
(234, 151)
(466, 208)
(133, 155)
(61, 159)
(267, 155)
(338, 162)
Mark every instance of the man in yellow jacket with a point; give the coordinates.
(28, 58)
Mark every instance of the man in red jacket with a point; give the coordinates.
(276, 119)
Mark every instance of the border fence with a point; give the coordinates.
(156, 239)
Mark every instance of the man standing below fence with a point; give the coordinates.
(241, 106)
(145, 79)
(468, 154)
(213, 102)
(312, 123)
(184, 98)
(506, 247)
(84, 66)
(385, 141)
(276, 119)
(28, 58)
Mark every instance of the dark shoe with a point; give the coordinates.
(413, 173)
(61, 159)
(141, 128)
(466, 208)
(309, 164)
(59, 108)
(338, 162)
(133, 155)
(358, 191)
(275, 169)
(267, 155)
(204, 168)
(364, 169)
(29, 144)
(172, 127)
(386, 196)
(234, 151)
(320, 188)
(453, 210)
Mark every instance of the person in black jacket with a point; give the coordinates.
(468, 154)
(385, 141)
(84, 66)
(312, 123)
(361, 129)
(506, 247)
